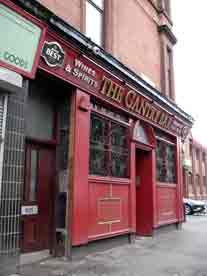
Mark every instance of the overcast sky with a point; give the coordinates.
(190, 61)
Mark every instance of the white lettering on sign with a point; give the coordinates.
(79, 64)
(82, 72)
(29, 210)
(53, 53)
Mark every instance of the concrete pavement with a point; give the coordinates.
(178, 253)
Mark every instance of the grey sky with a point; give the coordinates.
(190, 61)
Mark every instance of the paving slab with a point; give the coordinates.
(176, 253)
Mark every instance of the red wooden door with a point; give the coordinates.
(38, 198)
(144, 192)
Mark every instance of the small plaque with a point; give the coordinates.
(53, 54)
(29, 210)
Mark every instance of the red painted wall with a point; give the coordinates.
(108, 207)
(180, 191)
(166, 204)
(101, 206)
(169, 204)
(104, 206)
(132, 196)
(80, 161)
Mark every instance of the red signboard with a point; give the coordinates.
(78, 69)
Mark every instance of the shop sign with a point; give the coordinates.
(53, 54)
(19, 40)
(82, 72)
(135, 103)
(29, 210)
(74, 66)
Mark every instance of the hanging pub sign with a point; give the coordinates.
(53, 54)
(20, 40)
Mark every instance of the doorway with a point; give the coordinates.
(144, 192)
(46, 187)
(38, 197)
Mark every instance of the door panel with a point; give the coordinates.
(144, 192)
(38, 195)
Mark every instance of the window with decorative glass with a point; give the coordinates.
(109, 147)
(165, 162)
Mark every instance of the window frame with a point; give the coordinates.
(111, 120)
(28, 174)
(167, 142)
(190, 185)
(167, 7)
(167, 69)
(170, 72)
(198, 184)
(102, 13)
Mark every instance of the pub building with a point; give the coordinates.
(89, 150)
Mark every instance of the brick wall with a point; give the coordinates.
(131, 33)
(196, 180)
(136, 39)
(68, 10)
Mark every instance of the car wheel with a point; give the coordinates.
(188, 210)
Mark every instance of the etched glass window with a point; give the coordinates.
(165, 162)
(109, 155)
(98, 146)
(119, 151)
(170, 156)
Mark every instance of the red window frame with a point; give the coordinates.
(111, 120)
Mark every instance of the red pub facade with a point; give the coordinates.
(101, 146)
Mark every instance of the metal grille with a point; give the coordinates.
(12, 181)
(2, 108)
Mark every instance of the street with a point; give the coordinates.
(177, 253)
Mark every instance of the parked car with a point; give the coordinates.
(193, 206)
